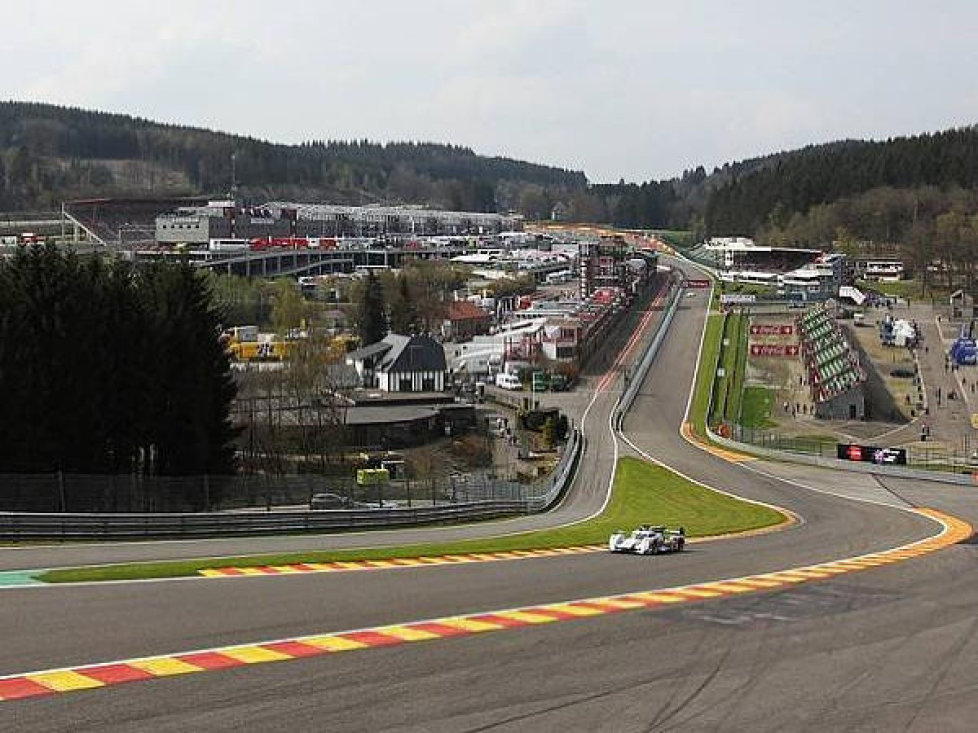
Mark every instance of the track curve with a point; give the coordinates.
(707, 663)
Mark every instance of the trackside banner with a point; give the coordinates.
(774, 350)
(772, 329)
(872, 454)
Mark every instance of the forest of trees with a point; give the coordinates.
(822, 174)
(48, 153)
(109, 369)
(889, 191)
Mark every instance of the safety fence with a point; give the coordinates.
(22, 526)
(111, 493)
(922, 457)
(637, 375)
(475, 502)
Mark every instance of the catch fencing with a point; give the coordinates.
(466, 502)
(926, 461)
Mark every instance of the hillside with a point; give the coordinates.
(820, 175)
(48, 153)
(910, 191)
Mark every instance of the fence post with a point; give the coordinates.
(61, 490)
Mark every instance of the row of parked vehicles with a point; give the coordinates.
(540, 382)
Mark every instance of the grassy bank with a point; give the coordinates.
(643, 493)
(706, 373)
(756, 409)
(677, 238)
(728, 388)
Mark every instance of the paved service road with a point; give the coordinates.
(877, 649)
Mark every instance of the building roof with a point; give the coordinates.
(413, 354)
(463, 310)
(368, 351)
(397, 353)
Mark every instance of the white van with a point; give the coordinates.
(508, 381)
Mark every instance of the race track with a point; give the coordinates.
(883, 648)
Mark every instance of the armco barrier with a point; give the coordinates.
(639, 372)
(836, 464)
(25, 526)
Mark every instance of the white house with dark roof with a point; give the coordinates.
(401, 364)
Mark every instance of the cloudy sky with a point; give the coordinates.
(636, 89)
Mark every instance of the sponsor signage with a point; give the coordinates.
(772, 329)
(774, 350)
(737, 298)
(872, 454)
(697, 283)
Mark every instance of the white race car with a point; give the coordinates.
(648, 540)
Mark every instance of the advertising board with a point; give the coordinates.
(774, 350)
(871, 454)
(771, 329)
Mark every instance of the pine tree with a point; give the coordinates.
(107, 369)
(371, 319)
(403, 309)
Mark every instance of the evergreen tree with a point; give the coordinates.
(193, 388)
(105, 369)
(403, 309)
(371, 320)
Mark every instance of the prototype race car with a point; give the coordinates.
(649, 540)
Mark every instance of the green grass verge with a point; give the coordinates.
(733, 360)
(676, 238)
(738, 368)
(643, 493)
(912, 289)
(706, 374)
(756, 408)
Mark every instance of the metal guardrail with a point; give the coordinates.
(25, 526)
(942, 477)
(638, 374)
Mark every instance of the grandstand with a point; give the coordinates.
(130, 223)
(835, 376)
(741, 254)
(122, 222)
(333, 220)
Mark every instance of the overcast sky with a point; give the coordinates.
(635, 89)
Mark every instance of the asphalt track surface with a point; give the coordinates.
(888, 648)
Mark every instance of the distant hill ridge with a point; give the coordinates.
(48, 152)
(877, 190)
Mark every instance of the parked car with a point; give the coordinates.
(331, 501)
